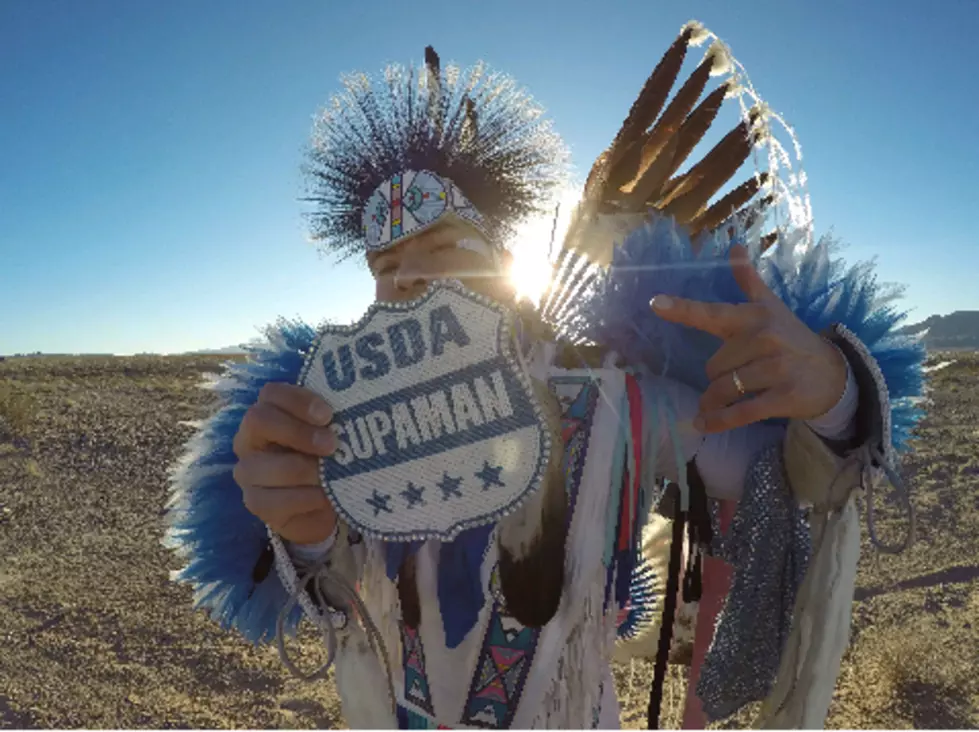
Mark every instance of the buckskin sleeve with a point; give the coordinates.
(829, 475)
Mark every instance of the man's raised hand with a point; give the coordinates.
(782, 367)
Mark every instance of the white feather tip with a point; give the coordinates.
(698, 34)
(720, 58)
(760, 128)
(734, 89)
(762, 112)
(762, 134)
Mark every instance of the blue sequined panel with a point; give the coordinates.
(769, 546)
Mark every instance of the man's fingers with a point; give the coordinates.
(724, 319)
(756, 376)
(740, 350)
(297, 401)
(277, 469)
(721, 319)
(277, 506)
(265, 424)
(766, 405)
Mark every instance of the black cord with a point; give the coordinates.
(666, 628)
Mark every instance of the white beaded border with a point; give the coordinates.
(286, 569)
(883, 395)
(505, 343)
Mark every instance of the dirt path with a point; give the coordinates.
(94, 635)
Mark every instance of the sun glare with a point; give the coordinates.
(531, 271)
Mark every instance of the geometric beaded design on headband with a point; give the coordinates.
(410, 202)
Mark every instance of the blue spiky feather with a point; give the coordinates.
(208, 524)
(644, 601)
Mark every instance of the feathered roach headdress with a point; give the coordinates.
(392, 156)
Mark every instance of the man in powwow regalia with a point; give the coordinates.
(462, 490)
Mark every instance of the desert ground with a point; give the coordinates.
(94, 635)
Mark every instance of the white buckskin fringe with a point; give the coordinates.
(358, 668)
(820, 634)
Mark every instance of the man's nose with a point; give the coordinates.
(410, 277)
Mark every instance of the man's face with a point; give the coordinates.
(446, 251)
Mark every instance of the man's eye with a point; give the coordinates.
(387, 269)
(444, 246)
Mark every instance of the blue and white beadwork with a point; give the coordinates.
(411, 201)
(438, 427)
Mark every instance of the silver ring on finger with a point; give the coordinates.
(738, 384)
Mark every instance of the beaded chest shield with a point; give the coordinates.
(438, 426)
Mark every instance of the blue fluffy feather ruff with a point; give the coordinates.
(209, 526)
(658, 258)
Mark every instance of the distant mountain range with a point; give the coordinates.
(955, 332)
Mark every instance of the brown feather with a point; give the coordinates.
(685, 182)
(472, 125)
(694, 202)
(532, 540)
(672, 188)
(651, 97)
(709, 175)
(670, 123)
(650, 183)
(620, 164)
(696, 125)
(432, 61)
(594, 180)
(719, 212)
(434, 66)
(749, 214)
(411, 612)
(625, 169)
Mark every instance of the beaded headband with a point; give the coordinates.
(411, 202)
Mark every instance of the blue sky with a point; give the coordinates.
(150, 151)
